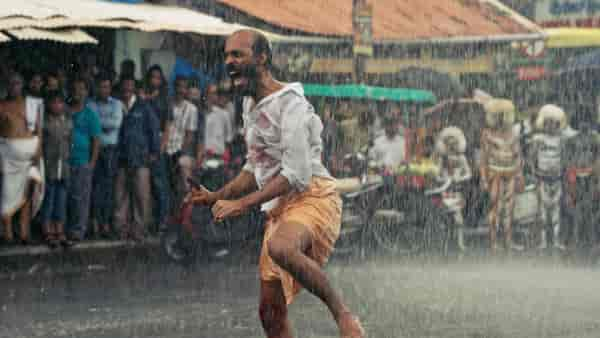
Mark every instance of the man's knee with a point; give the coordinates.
(280, 250)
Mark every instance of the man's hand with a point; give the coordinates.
(200, 195)
(225, 209)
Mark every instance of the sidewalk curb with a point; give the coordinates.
(42, 249)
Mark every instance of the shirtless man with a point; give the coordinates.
(18, 148)
(284, 173)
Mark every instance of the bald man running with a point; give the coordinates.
(284, 174)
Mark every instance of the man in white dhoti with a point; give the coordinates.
(19, 147)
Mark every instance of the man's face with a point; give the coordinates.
(551, 126)
(52, 83)
(181, 88)
(104, 89)
(241, 63)
(194, 94)
(127, 90)
(451, 144)
(155, 79)
(35, 84)
(327, 115)
(390, 129)
(57, 106)
(15, 86)
(80, 92)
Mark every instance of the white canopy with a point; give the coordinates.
(72, 36)
(49, 14)
(4, 38)
(54, 14)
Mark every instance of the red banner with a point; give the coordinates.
(529, 73)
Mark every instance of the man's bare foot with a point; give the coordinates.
(350, 326)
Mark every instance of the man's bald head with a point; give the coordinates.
(256, 41)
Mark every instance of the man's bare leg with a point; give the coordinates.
(25, 213)
(8, 228)
(25, 221)
(288, 248)
(273, 310)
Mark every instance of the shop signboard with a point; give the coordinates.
(529, 73)
(573, 13)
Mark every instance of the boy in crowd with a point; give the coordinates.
(57, 131)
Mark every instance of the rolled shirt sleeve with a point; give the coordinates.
(296, 161)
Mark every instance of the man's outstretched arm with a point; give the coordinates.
(244, 182)
(276, 187)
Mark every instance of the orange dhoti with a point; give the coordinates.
(319, 209)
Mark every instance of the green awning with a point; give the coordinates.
(369, 92)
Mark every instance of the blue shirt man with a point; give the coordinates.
(85, 150)
(86, 127)
(110, 112)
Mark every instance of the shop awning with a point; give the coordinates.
(55, 14)
(397, 21)
(368, 92)
(573, 37)
(47, 14)
(4, 38)
(70, 36)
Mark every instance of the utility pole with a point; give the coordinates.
(362, 27)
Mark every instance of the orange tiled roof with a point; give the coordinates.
(393, 19)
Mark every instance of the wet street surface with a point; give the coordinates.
(138, 295)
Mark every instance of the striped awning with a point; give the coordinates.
(70, 36)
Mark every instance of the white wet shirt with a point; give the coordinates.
(283, 135)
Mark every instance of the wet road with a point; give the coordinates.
(123, 297)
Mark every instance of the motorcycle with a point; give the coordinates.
(408, 216)
(389, 213)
